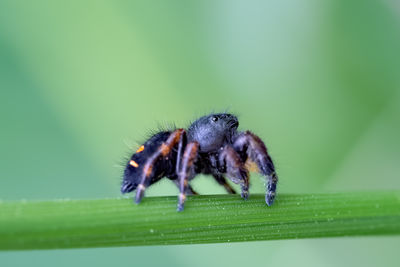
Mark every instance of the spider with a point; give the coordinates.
(211, 145)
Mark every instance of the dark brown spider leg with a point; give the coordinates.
(222, 181)
(189, 189)
(181, 147)
(235, 169)
(249, 145)
(186, 171)
(162, 151)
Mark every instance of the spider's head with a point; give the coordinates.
(213, 131)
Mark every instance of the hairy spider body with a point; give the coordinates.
(211, 145)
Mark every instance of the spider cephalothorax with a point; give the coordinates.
(211, 145)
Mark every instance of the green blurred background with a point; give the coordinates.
(82, 83)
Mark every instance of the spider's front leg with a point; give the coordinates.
(234, 168)
(248, 145)
(185, 171)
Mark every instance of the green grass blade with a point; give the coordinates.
(206, 219)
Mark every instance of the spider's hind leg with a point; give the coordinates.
(249, 145)
(186, 172)
(149, 170)
(189, 189)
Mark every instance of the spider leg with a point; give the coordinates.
(189, 189)
(222, 181)
(181, 147)
(186, 172)
(235, 169)
(249, 145)
(163, 151)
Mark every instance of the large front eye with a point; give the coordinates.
(214, 118)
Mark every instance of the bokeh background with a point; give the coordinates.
(82, 83)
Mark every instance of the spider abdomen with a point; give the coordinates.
(133, 172)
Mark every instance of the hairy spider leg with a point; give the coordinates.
(162, 151)
(186, 172)
(181, 147)
(189, 189)
(235, 169)
(250, 145)
(222, 181)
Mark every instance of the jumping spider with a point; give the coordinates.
(211, 145)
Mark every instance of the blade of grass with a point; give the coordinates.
(206, 219)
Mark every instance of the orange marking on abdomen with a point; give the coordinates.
(133, 163)
(140, 149)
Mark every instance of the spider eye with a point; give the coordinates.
(214, 118)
